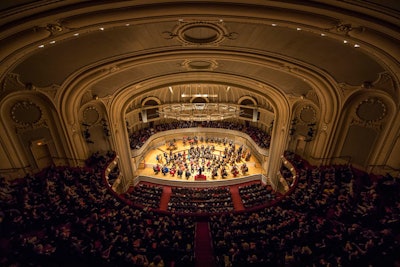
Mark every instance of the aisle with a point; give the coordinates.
(203, 249)
(165, 197)
(236, 199)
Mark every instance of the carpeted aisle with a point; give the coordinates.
(236, 199)
(165, 197)
(203, 245)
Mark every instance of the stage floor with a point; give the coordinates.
(254, 166)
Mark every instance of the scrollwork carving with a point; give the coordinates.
(54, 28)
(205, 33)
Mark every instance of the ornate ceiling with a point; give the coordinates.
(279, 44)
(307, 60)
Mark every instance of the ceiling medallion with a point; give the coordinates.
(200, 33)
(308, 114)
(371, 109)
(90, 116)
(54, 28)
(26, 113)
(199, 64)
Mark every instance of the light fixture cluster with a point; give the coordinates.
(199, 111)
(199, 95)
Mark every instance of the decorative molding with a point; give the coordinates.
(307, 114)
(90, 116)
(156, 99)
(371, 110)
(54, 28)
(345, 28)
(367, 124)
(312, 96)
(11, 82)
(200, 33)
(26, 113)
(199, 64)
(385, 82)
(50, 91)
(111, 69)
(247, 98)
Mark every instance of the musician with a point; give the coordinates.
(214, 173)
(224, 173)
(244, 168)
(156, 169)
(180, 172)
(165, 170)
(200, 170)
(234, 171)
(172, 171)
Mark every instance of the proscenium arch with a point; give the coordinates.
(77, 84)
(281, 107)
(318, 80)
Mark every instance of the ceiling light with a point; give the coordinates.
(345, 41)
(101, 29)
(299, 29)
(323, 34)
(198, 95)
(274, 24)
(127, 24)
(76, 34)
(41, 46)
(356, 45)
(200, 111)
(53, 42)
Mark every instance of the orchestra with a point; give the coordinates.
(201, 158)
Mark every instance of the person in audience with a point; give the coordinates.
(157, 262)
(332, 216)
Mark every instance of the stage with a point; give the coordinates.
(254, 167)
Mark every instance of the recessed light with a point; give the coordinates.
(41, 46)
(299, 29)
(345, 41)
(274, 24)
(323, 34)
(76, 34)
(53, 42)
(356, 45)
(127, 24)
(101, 29)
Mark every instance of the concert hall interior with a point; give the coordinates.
(220, 133)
